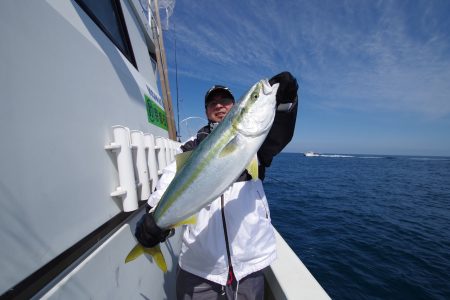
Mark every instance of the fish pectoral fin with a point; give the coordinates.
(155, 252)
(252, 168)
(190, 220)
(229, 148)
(182, 159)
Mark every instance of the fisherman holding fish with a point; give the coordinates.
(231, 241)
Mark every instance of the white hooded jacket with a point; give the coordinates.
(249, 231)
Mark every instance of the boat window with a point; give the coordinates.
(107, 14)
(153, 61)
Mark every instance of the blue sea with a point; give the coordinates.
(366, 226)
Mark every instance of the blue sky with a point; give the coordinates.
(374, 75)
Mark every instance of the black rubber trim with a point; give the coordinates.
(43, 276)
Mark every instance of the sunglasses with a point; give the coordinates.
(222, 101)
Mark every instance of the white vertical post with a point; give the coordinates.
(149, 142)
(122, 147)
(161, 154)
(167, 146)
(137, 140)
(172, 150)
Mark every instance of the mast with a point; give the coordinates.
(163, 74)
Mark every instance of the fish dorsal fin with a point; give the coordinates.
(229, 148)
(252, 168)
(190, 220)
(182, 158)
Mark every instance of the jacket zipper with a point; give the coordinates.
(230, 267)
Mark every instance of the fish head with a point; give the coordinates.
(256, 110)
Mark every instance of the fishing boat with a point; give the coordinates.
(86, 130)
(311, 154)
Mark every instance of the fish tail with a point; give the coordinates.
(157, 255)
(137, 251)
(155, 252)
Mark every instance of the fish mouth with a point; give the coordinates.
(267, 87)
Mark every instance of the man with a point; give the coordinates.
(224, 253)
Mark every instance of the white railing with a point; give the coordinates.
(141, 157)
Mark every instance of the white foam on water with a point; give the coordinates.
(428, 158)
(335, 155)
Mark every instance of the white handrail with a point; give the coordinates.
(127, 184)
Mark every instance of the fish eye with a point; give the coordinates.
(255, 95)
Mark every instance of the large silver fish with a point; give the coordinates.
(205, 173)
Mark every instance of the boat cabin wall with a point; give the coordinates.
(63, 84)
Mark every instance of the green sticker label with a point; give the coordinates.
(155, 114)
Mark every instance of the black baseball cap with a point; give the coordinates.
(215, 90)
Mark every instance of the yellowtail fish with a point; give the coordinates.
(205, 173)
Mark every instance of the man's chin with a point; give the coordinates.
(219, 118)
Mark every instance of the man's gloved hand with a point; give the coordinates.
(148, 233)
(287, 91)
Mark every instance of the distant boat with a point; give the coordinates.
(311, 154)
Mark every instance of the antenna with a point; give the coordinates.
(162, 68)
(176, 81)
(192, 131)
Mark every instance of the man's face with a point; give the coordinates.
(218, 107)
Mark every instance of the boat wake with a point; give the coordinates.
(429, 158)
(335, 155)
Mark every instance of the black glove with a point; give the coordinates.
(287, 90)
(148, 233)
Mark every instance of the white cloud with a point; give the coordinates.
(358, 55)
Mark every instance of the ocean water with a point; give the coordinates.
(367, 227)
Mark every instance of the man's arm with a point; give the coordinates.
(163, 182)
(283, 125)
